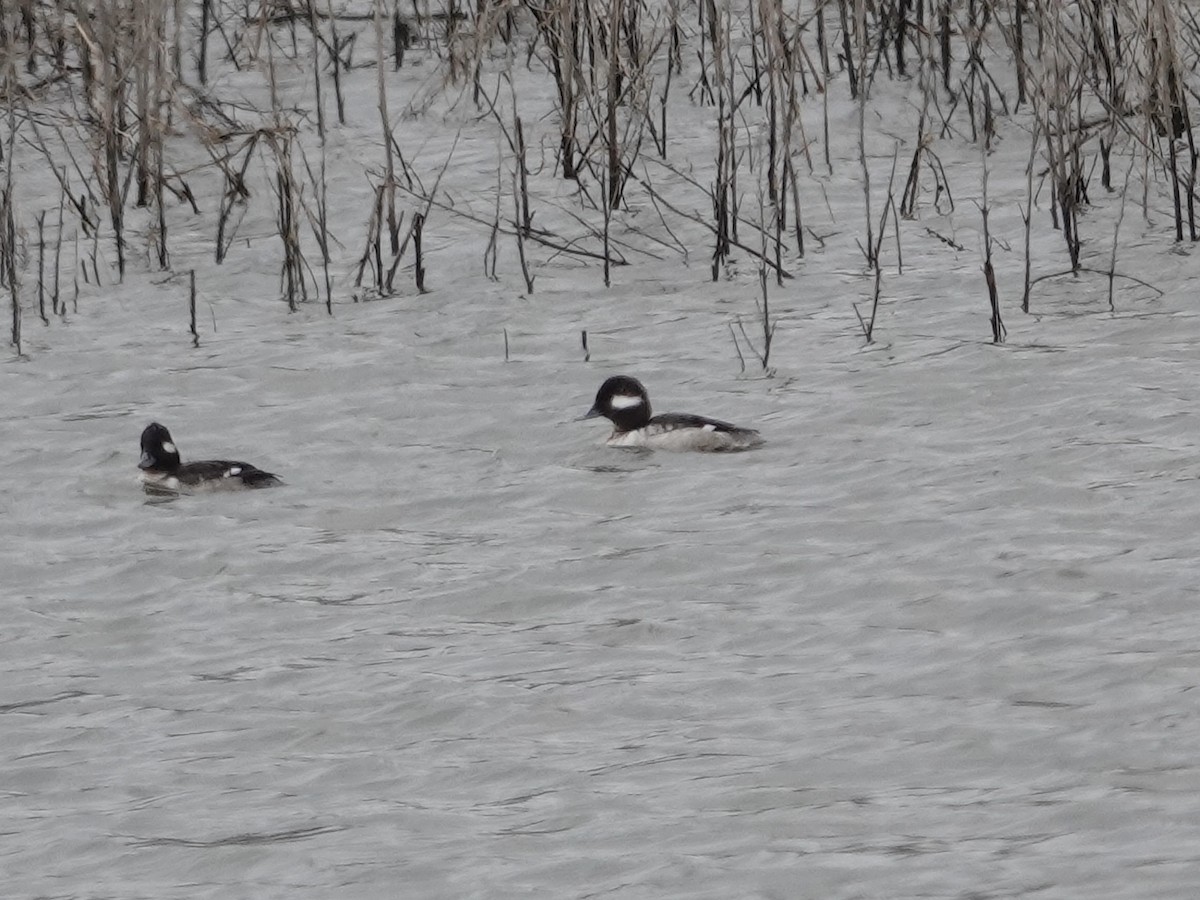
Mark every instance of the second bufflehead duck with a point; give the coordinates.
(624, 401)
(162, 471)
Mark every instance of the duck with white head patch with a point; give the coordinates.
(624, 401)
(162, 472)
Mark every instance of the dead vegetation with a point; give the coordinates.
(678, 128)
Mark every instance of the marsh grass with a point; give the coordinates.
(213, 113)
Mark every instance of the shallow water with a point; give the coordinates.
(936, 639)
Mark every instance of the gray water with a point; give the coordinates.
(936, 639)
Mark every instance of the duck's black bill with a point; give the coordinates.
(592, 413)
(146, 462)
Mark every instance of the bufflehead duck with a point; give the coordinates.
(162, 471)
(624, 401)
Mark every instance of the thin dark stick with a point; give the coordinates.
(336, 59)
(54, 295)
(520, 234)
(41, 289)
(202, 62)
(418, 225)
(192, 307)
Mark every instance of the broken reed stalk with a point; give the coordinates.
(94, 257)
(723, 194)
(335, 58)
(558, 27)
(164, 255)
(1059, 95)
(847, 53)
(943, 31)
(424, 214)
(1027, 214)
(157, 127)
(139, 54)
(798, 213)
(989, 273)
(202, 53)
(764, 304)
(41, 285)
(319, 223)
(105, 36)
(889, 209)
(279, 138)
(55, 296)
(322, 230)
(491, 251)
(76, 266)
(236, 192)
(418, 259)
(525, 218)
(8, 260)
(912, 187)
(292, 270)
(1167, 106)
(371, 251)
(8, 227)
(520, 234)
(606, 213)
(1112, 262)
(16, 316)
(782, 113)
(612, 96)
(1018, 48)
(176, 52)
(192, 308)
(731, 69)
(860, 92)
(674, 63)
(319, 101)
(149, 59)
(389, 165)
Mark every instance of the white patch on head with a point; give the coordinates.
(710, 427)
(624, 401)
(168, 447)
(233, 470)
